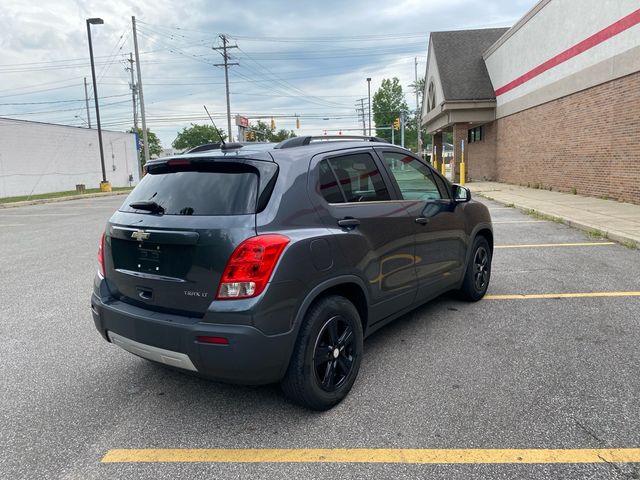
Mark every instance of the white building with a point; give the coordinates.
(42, 157)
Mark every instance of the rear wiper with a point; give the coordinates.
(152, 207)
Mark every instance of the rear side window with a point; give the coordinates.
(351, 178)
(198, 192)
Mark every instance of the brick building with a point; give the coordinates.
(552, 102)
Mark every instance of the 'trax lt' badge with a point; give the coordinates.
(140, 235)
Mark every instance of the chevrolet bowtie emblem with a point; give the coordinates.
(140, 235)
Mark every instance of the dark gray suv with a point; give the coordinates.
(271, 265)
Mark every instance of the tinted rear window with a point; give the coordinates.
(198, 192)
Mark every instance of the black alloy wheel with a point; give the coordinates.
(481, 268)
(333, 355)
(327, 355)
(478, 273)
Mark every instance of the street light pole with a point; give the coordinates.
(369, 95)
(104, 185)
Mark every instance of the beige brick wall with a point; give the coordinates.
(588, 142)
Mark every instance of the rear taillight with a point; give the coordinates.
(101, 254)
(250, 266)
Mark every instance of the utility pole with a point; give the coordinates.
(369, 96)
(361, 113)
(133, 93)
(418, 111)
(402, 113)
(226, 66)
(86, 101)
(145, 141)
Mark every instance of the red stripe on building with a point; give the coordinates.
(615, 28)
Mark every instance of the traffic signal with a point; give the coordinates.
(273, 124)
(297, 123)
(396, 124)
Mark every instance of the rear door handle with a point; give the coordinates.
(422, 220)
(349, 222)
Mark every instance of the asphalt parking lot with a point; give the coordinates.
(552, 372)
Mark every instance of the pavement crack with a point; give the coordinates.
(589, 431)
(634, 474)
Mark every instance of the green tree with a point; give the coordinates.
(388, 102)
(264, 132)
(155, 147)
(282, 134)
(196, 135)
(418, 87)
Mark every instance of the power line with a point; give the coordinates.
(14, 114)
(61, 101)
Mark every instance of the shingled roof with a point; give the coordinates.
(463, 74)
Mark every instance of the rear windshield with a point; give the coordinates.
(197, 192)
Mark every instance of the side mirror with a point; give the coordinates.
(461, 194)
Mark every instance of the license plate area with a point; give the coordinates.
(152, 258)
(149, 258)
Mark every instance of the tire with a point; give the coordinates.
(478, 273)
(327, 355)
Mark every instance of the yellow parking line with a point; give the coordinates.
(561, 295)
(541, 245)
(375, 455)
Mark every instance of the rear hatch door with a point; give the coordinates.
(168, 244)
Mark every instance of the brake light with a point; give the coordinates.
(101, 254)
(175, 163)
(250, 266)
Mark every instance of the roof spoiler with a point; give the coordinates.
(301, 141)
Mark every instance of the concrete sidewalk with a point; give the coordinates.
(618, 221)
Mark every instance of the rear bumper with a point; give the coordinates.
(251, 357)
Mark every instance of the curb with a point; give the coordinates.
(62, 199)
(613, 235)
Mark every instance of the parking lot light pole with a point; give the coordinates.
(104, 185)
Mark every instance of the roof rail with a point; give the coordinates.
(301, 141)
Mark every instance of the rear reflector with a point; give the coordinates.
(250, 267)
(213, 340)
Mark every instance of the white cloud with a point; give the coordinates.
(322, 76)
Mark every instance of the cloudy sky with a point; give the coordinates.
(309, 59)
